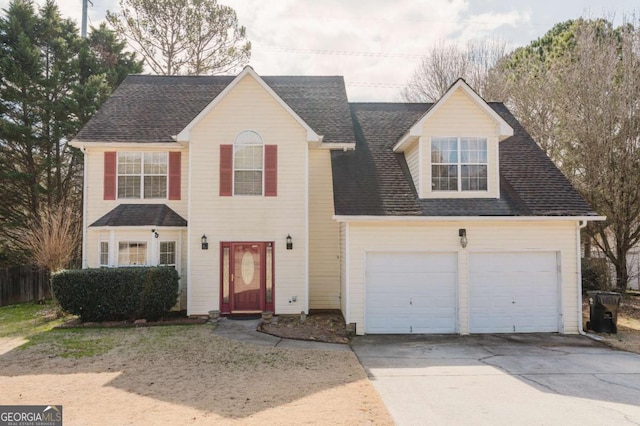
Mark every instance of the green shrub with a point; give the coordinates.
(595, 274)
(117, 294)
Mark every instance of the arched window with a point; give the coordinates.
(248, 163)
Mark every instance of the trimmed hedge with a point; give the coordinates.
(117, 294)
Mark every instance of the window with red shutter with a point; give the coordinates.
(226, 170)
(174, 175)
(271, 170)
(110, 175)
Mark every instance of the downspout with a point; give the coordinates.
(581, 225)
(85, 194)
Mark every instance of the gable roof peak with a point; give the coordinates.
(184, 134)
(460, 84)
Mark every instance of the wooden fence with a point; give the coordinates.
(20, 284)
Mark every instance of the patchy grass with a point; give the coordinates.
(27, 319)
(73, 343)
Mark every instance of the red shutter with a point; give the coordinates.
(270, 170)
(110, 161)
(226, 170)
(174, 175)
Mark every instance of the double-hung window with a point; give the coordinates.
(142, 175)
(132, 253)
(168, 253)
(459, 164)
(248, 163)
(104, 253)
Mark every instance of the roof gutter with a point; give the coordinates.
(111, 145)
(336, 146)
(138, 228)
(410, 219)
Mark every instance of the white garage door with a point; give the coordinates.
(513, 292)
(411, 293)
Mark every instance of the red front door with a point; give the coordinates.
(247, 277)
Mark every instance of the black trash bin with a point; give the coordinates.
(603, 311)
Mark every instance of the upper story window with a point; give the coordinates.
(248, 163)
(459, 164)
(142, 175)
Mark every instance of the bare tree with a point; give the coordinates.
(577, 92)
(446, 62)
(600, 133)
(53, 237)
(183, 36)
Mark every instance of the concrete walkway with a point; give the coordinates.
(244, 330)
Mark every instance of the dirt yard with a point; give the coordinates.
(183, 375)
(628, 336)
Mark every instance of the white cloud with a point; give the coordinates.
(486, 24)
(331, 37)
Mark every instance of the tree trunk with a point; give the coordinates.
(622, 273)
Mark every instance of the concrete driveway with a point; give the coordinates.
(538, 379)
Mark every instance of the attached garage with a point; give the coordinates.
(411, 292)
(514, 292)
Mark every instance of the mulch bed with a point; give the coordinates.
(173, 318)
(320, 327)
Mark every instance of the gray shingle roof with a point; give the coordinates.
(141, 215)
(373, 180)
(146, 108)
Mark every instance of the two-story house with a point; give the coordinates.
(276, 193)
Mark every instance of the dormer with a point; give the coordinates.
(452, 150)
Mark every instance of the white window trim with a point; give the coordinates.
(147, 252)
(175, 252)
(458, 165)
(141, 175)
(233, 169)
(100, 264)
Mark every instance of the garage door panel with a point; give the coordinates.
(513, 292)
(410, 292)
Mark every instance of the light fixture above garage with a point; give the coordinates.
(289, 242)
(205, 244)
(462, 233)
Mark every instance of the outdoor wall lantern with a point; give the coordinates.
(155, 234)
(205, 244)
(462, 233)
(289, 242)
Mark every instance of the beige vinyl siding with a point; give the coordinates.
(97, 206)
(248, 218)
(483, 237)
(412, 156)
(460, 116)
(324, 235)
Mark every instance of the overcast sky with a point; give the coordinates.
(376, 44)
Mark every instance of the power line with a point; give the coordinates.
(376, 85)
(344, 52)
